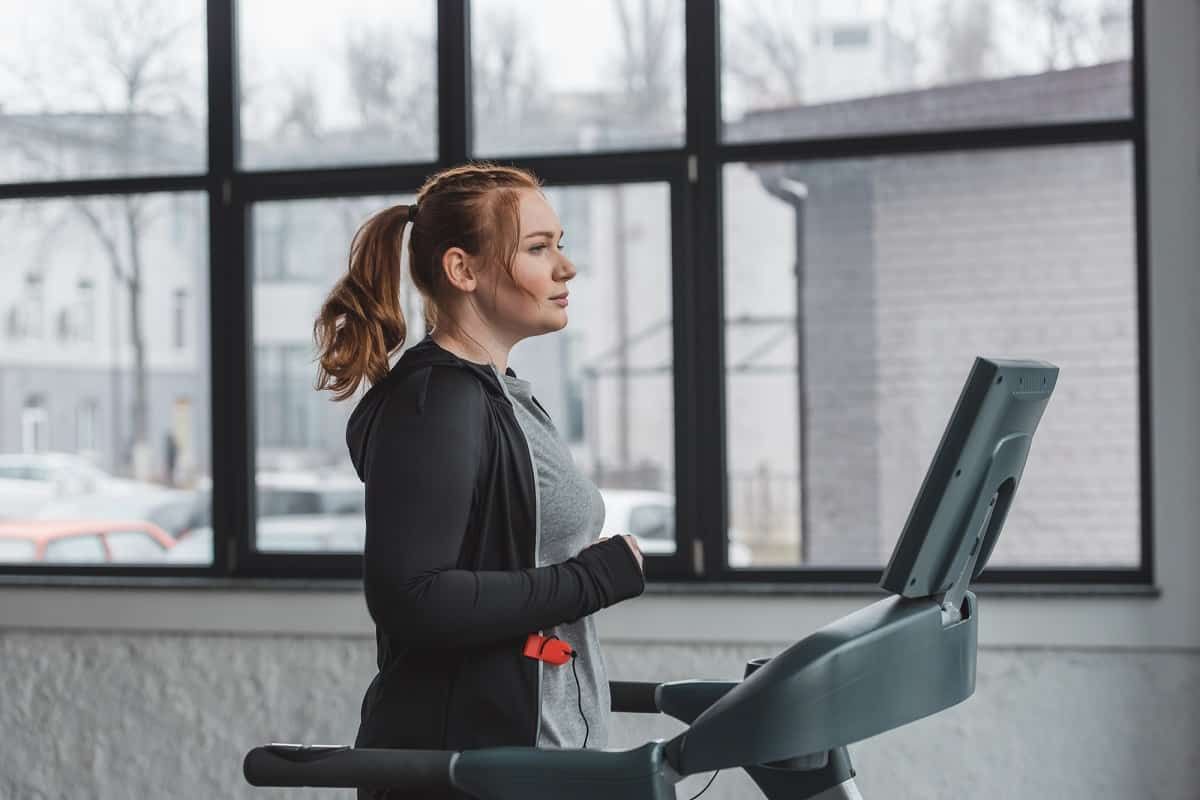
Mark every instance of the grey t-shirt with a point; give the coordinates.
(572, 516)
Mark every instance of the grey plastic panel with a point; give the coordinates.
(881, 667)
(686, 700)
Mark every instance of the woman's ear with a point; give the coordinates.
(460, 269)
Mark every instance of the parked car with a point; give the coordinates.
(31, 481)
(650, 517)
(297, 512)
(306, 493)
(175, 511)
(301, 533)
(116, 541)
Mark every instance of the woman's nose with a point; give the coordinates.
(568, 271)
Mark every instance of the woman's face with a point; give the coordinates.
(524, 306)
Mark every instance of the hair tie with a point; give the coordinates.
(412, 213)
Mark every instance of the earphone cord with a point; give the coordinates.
(587, 729)
(579, 689)
(705, 789)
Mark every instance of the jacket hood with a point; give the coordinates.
(425, 353)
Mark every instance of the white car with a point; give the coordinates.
(298, 512)
(31, 481)
(301, 533)
(650, 517)
(176, 511)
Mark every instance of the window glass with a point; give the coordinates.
(798, 69)
(102, 88)
(337, 84)
(895, 273)
(301, 249)
(653, 522)
(105, 423)
(584, 76)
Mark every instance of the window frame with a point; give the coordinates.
(693, 174)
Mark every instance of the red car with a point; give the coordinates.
(99, 541)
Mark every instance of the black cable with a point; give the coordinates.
(586, 729)
(705, 789)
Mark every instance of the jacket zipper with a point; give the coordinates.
(537, 535)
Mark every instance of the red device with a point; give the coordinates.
(550, 649)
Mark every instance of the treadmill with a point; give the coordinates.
(789, 720)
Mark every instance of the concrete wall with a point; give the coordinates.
(143, 715)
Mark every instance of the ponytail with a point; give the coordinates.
(361, 322)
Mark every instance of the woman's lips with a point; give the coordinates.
(562, 301)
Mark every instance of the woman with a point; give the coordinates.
(480, 529)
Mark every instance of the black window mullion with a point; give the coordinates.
(229, 312)
(703, 513)
(454, 81)
(1141, 221)
(679, 566)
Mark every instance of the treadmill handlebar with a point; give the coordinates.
(634, 697)
(344, 766)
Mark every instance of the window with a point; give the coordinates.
(85, 325)
(179, 320)
(850, 36)
(350, 83)
(300, 432)
(95, 418)
(35, 423)
(35, 306)
(859, 288)
(576, 77)
(794, 224)
(102, 90)
(822, 70)
(85, 425)
(914, 265)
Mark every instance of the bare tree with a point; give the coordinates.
(134, 42)
(507, 72)
(300, 111)
(1075, 34)
(390, 82)
(125, 57)
(967, 36)
(646, 67)
(765, 57)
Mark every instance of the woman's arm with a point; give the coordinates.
(420, 483)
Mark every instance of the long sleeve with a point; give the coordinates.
(420, 488)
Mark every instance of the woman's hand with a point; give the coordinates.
(633, 545)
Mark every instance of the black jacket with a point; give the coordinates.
(449, 574)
